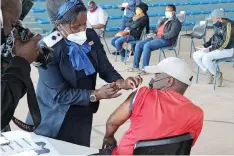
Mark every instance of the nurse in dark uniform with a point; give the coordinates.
(66, 90)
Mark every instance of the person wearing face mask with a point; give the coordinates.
(220, 45)
(129, 8)
(165, 35)
(66, 91)
(97, 18)
(140, 21)
(16, 58)
(158, 111)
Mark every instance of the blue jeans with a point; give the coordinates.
(126, 22)
(146, 46)
(117, 42)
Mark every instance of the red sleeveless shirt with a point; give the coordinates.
(158, 114)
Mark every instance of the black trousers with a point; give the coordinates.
(77, 126)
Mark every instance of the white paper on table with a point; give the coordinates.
(23, 142)
(18, 146)
(45, 147)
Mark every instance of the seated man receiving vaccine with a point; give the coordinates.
(158, 111)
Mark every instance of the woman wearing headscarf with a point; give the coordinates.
(140, 21)
(66, 89)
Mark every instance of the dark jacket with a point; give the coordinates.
(171, 30)
(61, 86)
(13, 88)
(223, 37)
(138, 26)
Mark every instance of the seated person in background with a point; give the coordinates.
(140, 21)
(158, 111)
(166, 35)
(219, 46)
(97, 18)
(128, 7)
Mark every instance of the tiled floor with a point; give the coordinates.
(218, 106)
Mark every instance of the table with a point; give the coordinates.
(56, 146)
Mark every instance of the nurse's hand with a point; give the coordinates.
(108, 91)
(131, 82)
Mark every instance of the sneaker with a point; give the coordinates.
(210, 79)
(133, 70)
(219, 79)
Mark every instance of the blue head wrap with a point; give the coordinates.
(63, 9)
(77, 53)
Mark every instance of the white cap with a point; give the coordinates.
(175, 67)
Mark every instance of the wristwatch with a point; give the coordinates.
(92, 97)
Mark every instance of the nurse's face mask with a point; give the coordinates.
(75, 32)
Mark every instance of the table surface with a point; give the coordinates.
(63, 148)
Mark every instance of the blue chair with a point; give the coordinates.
(231, 9)
(194, 3)
(204, 2)
(214, 2)
(228, 10)
(161, 14)
(106, 7)
(181, 3)
(152, 26)
(223, 1)
(205, 11)
(114, 6)
(231, 59)
(160, 4)
(154, 14)
(187, 23)
(38, 10)
(115, 17)
(43, 21)
(150, 5)
(112, 29)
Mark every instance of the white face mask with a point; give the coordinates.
(78, 38)
(168, 14)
